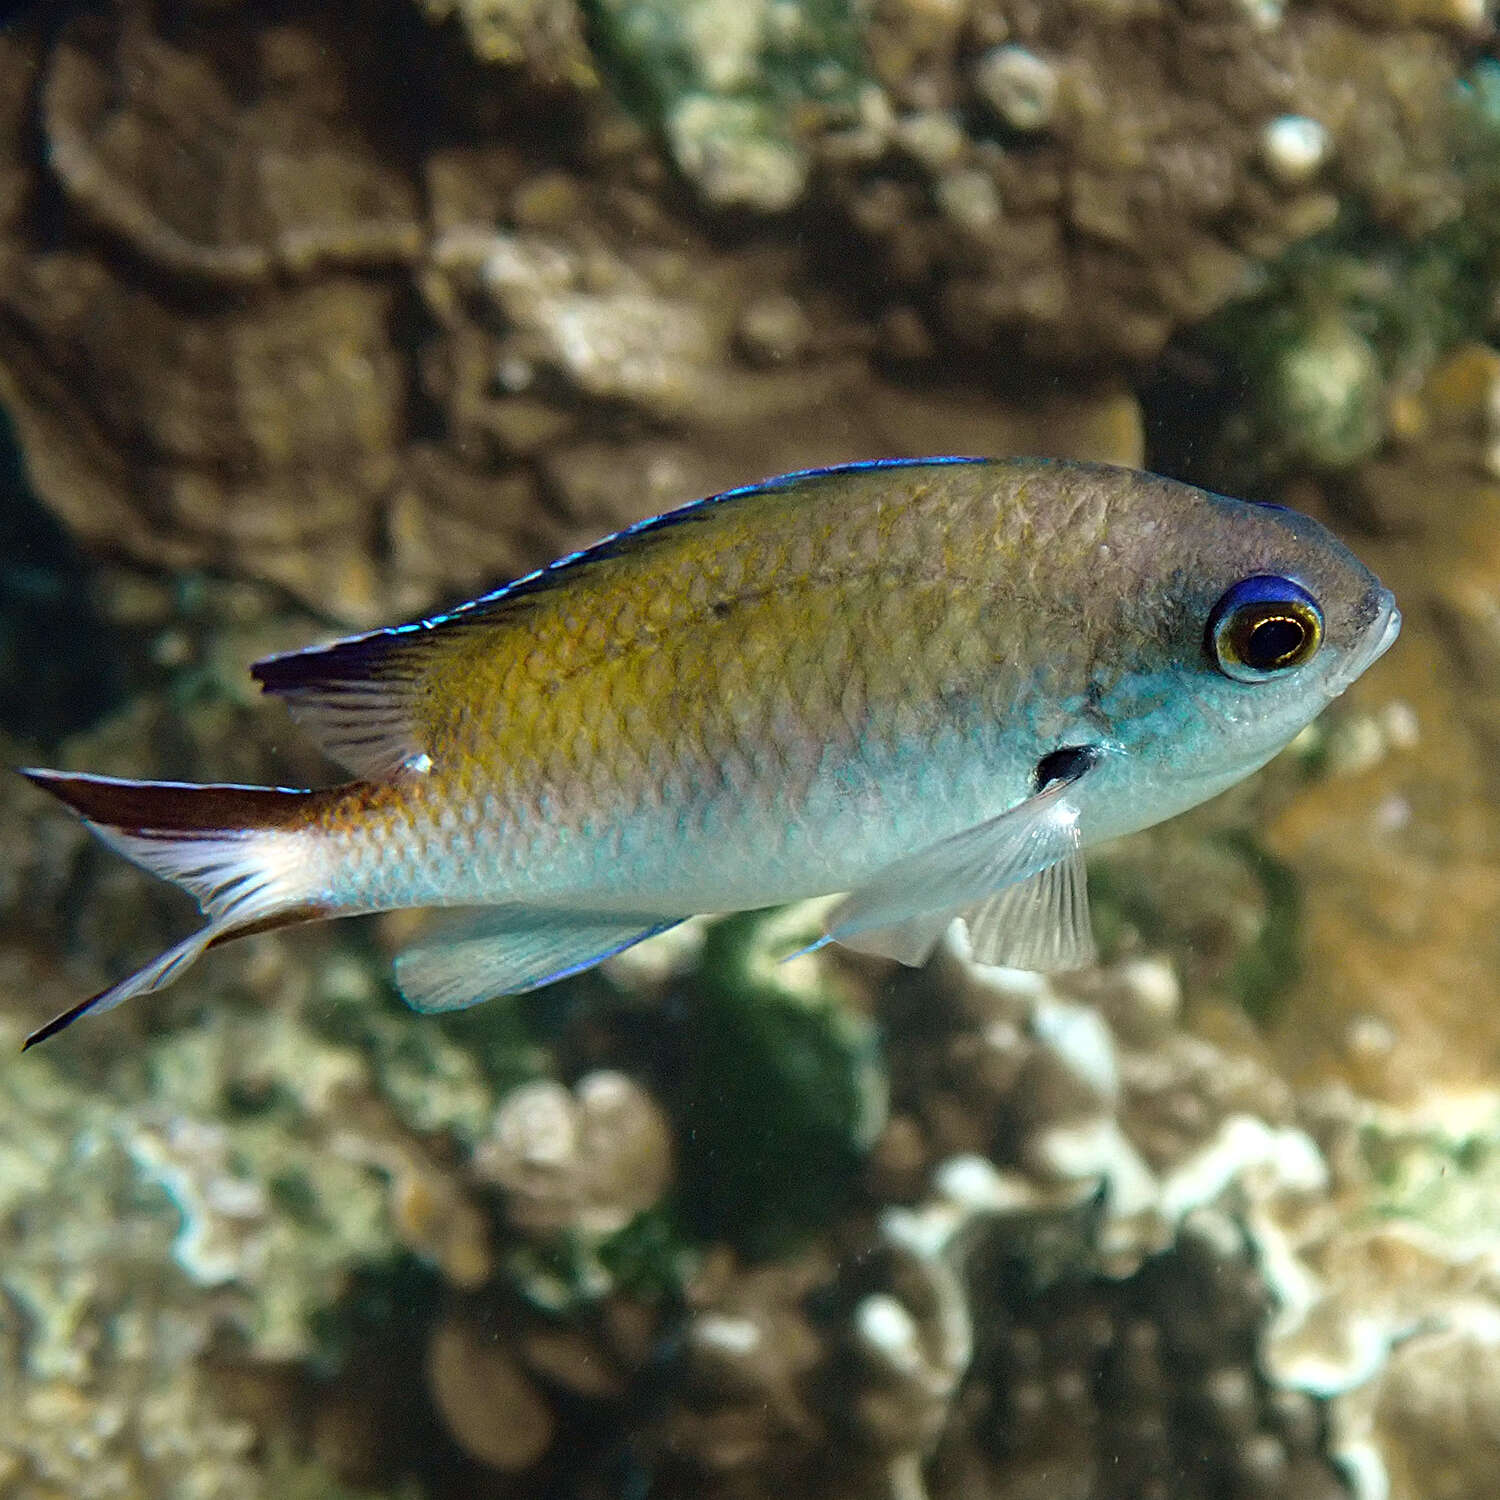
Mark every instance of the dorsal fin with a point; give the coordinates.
(356, 696)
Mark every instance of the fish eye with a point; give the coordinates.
(1262, 626)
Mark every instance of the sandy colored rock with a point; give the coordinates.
(207, 184)
(586, 1160)
(265, 332)
(1124, 153)
(544, 35)
(1396, 850)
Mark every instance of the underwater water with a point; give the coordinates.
(322, 316)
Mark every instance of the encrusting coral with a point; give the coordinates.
(1214, 1220)
(1077, 1253)
(732, 1224)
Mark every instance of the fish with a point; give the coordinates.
(922, 686)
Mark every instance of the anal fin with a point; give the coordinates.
(508, 950)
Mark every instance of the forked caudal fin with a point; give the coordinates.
(236, 849)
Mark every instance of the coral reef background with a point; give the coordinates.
(316, 315)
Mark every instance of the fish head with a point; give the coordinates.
(1243, 622)
(1280, 618)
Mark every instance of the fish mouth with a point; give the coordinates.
(1379, 638)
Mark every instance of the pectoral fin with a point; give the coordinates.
(1018, 878)
(909, 942)
(510, 949)
(1041, 923)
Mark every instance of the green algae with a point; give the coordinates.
(1267, 967)
(1304, 366)
(783, 1091)
(1446, 1181)
(571, 1273)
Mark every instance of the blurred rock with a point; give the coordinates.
(491, 1408)
(281, 332)
(1394, 844)
(161, 147)
(586, 1160)
(1389, 1291)
(1327, 355)
(134, 1247)
(544, 36)
(1438, 1385)
(749, 1354)
(1127, 159)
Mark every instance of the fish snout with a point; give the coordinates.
(1386, 628)
(1379, 636)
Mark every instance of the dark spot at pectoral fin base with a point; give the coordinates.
(511, 949)
(1000, 874)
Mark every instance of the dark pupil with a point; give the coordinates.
(1273, 642)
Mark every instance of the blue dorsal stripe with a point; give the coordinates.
(345, 662)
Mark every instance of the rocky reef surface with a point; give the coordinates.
(316, 316)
